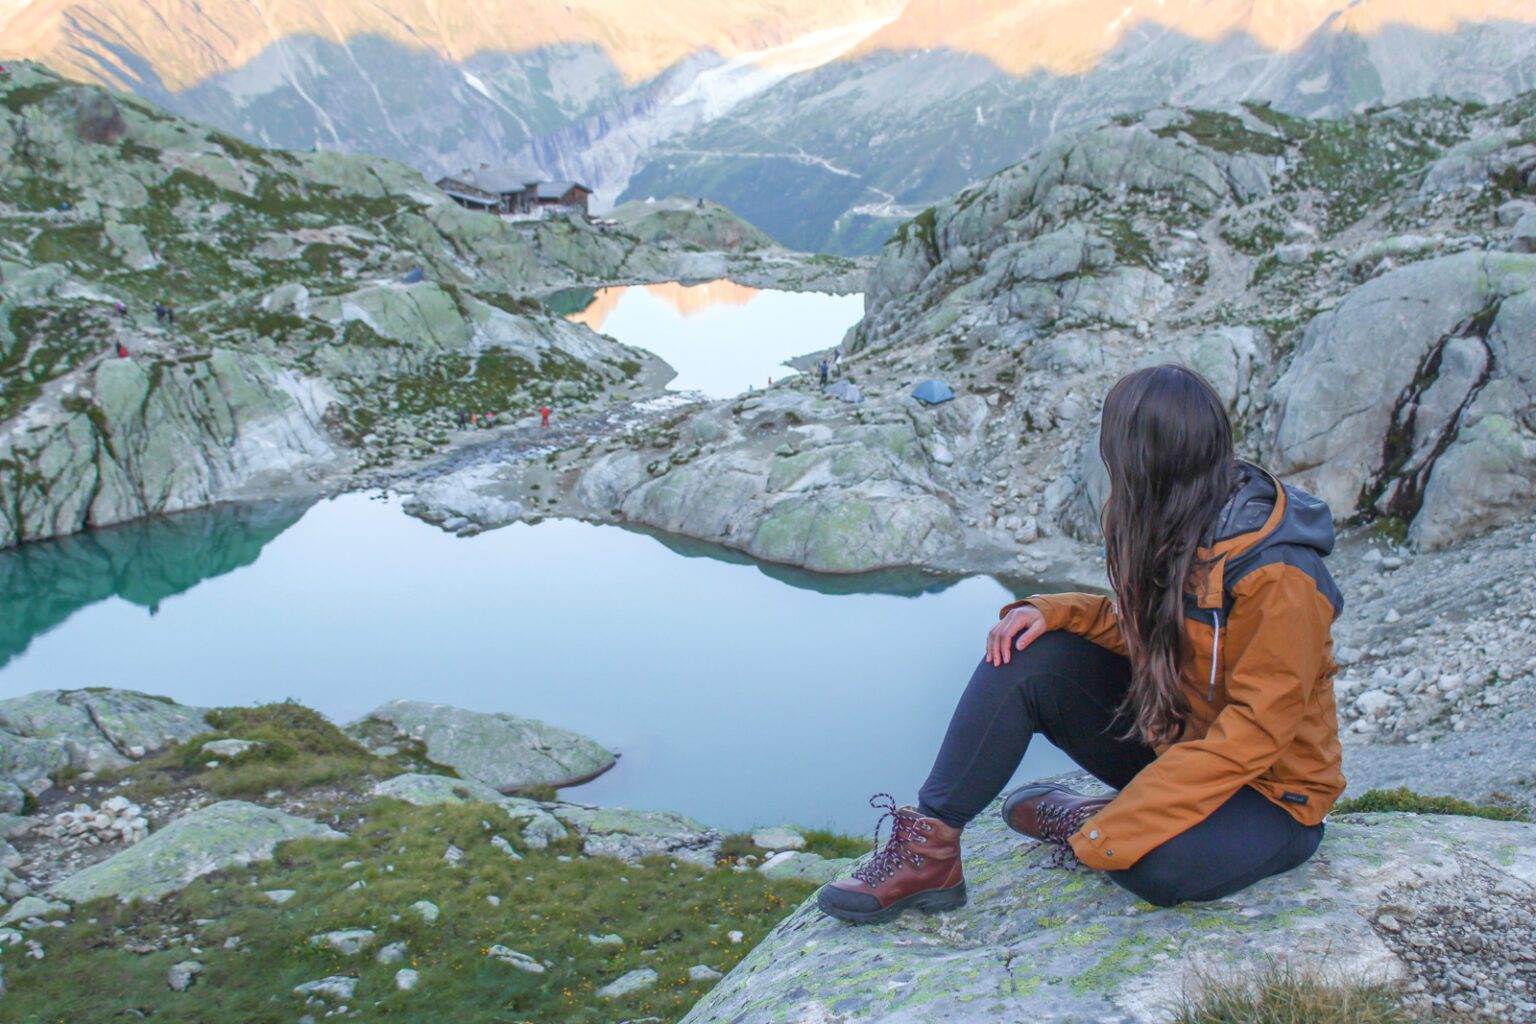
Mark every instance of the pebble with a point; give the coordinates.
(703, 972)
(426, 910)
(406, 979)
(606, 940)
(279, 896)
(735, 936)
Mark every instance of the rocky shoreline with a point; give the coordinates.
(198, 846)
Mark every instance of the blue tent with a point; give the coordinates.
(414, 276)
(933, 392)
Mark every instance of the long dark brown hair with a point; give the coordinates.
(1167, 442)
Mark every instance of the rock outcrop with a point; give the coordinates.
(1413, 396)
(50, 731)
(189, 319)
(1287, 259)
(206, 840)
(1041, 944)
(501, 750)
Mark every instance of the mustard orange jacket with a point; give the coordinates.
(1259, 680)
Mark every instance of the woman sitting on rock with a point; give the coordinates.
(1201, 691)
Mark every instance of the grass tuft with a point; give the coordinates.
(1406, 801)
(297, 748)
(1284, 994)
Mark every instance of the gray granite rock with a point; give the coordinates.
(501, 750)
(49, 731)
(211, 838)
(1047, 945)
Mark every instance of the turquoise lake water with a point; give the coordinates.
(739, 693)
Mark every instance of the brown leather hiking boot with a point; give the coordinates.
(1050, 812)
(919, 869)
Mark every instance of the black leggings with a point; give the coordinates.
(1069, 690)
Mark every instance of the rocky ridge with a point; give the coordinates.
(330, 315)
(1287, 259)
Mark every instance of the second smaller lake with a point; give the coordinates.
(722, 337)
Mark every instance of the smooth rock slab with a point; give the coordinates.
(87, 730)
(210, 839)
(806, 866)
(502, 750)
(1047, 945)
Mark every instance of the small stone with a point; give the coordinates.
(391, 954)
(406, 979)
(453, 855)
(426, 910)
(500, 842)
(337, 988)
(735, 937)
(182, 976)
(634, 981)
(347, 942)
(703, 972)
(781, 837)
(522, 961)
(279, 896)
(494, 901)
(1393, 615)
(606, 940)
(1389, 923)
(228, 748)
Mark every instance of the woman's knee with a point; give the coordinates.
(1157, 880)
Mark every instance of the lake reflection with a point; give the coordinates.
(721, 337)
(741, 694)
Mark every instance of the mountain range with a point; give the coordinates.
(824, 125)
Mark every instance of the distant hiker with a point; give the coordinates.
(170, 315)
(120, 309)
(544, 416)
(463, 419)
(824, 370)
(122, 350)
(1200, 691)
(770, 382)
(159, 312)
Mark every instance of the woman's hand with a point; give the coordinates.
(1024, 623)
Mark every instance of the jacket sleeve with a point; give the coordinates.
(1274, 644)
(1090, 616)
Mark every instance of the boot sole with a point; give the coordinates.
(1019, 795)
(929, 901)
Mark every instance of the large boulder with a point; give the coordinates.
(1413, 397)
(1041, 944)
(503, 751)
(49, 731)
(796, 479)
(209, 839)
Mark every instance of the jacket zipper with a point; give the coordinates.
(1210, 693)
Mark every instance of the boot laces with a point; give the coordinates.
(905, 831)
(1057, 824)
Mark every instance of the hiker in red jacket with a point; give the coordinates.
(122, 351)
(544, 416)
